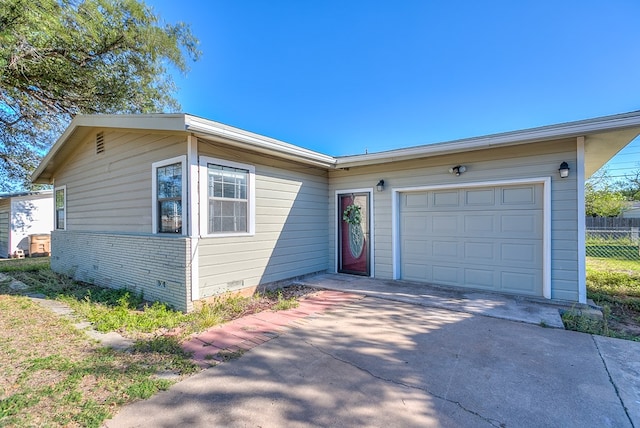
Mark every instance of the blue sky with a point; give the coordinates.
(342, 77)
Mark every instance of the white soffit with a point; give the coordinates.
(600, 148)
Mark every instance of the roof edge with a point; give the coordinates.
(132, 121)
(543, 133)
(32, 193)
(208, 127)
(182, 122)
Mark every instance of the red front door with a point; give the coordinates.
(353, 234)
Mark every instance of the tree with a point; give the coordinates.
(630, 186)
(601, 198)
(60, 58)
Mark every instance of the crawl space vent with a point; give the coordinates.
(99, 143)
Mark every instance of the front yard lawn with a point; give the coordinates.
(52, 374)
(614, 285)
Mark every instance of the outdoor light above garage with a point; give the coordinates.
(457, 170)
(564, 170)
(380, 186)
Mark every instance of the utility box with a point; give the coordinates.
(39, 245)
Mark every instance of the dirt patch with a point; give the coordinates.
(270, 299)
(625, 320)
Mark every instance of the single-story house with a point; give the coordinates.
(183, 208)
(23, 215)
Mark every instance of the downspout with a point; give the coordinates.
(194, 222)
(582, 249)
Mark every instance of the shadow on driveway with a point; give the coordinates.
(383, 363)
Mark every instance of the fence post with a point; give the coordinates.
(635, 234)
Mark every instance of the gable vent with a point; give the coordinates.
(99, 143)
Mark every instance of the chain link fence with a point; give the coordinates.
(614, 243)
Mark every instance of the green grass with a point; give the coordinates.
(613, 265)
(614, 285)
(118, 309)
(612, 246)
(623, 252)
(26, 264)
(283, 303)
(51, 374)
(127, 312)
(576, 321)
(614, 281)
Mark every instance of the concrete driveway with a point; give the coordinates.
(385, 363)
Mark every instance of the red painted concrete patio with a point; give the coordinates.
(243, 334)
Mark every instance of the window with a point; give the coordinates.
(229, 197)
(61, 204)
(169, 189)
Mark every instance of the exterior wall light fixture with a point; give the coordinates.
(457, 170)
(564, 170)
(380, 186)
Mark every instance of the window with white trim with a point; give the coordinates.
(169, 191)
(61, 207)
(229, 191)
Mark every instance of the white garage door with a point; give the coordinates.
(488, 238)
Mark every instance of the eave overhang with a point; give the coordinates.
(81, 126)
(245, 139)
(604, 137)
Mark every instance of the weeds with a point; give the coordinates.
(51, 374)
(126, 312)
(283, 303)
(575, 320)
(25, 265)
(615, 286)
(230, 355)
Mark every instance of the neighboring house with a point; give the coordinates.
(21, 216)
(182, 208)
(633, 211)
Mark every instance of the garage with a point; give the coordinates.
(489, 237)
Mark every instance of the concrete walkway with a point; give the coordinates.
(514, 308)
(385, 362)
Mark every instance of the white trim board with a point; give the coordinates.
(55, 208)
(372, 240)
(582, 249)
(204, 192)
(546, 228)
(154, 193)
(194, 224)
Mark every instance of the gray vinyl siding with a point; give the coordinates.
(111, 191)
(155, 266)
(108, 239)
(517, 162)
(290, 232)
